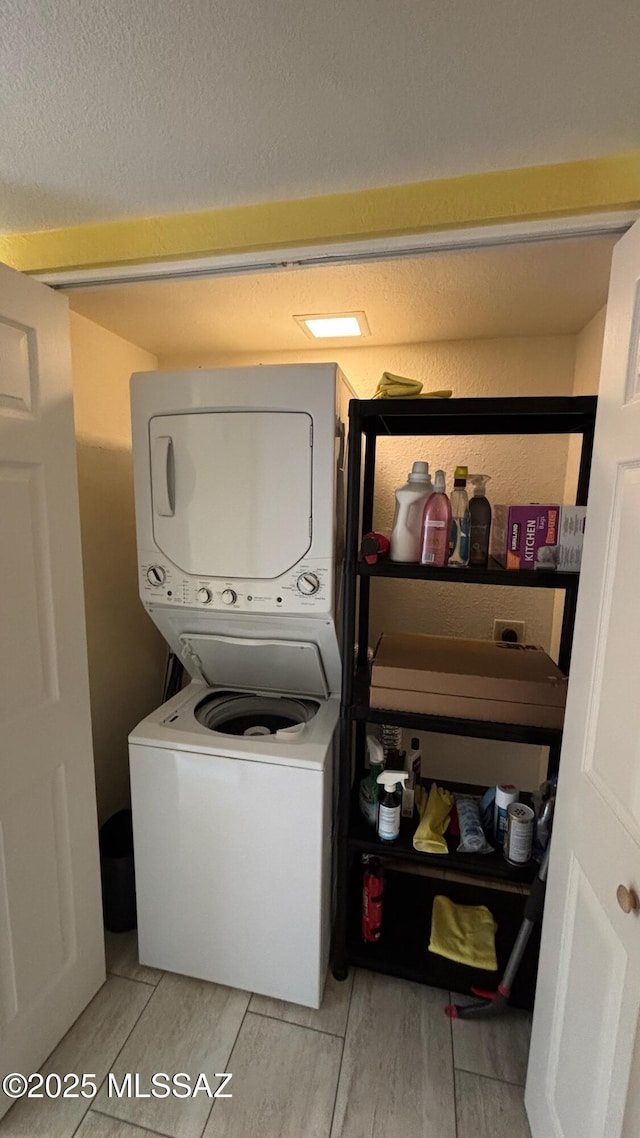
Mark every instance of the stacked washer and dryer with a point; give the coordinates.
(239, 490)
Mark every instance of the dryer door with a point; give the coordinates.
(231, 491)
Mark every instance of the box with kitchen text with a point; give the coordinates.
(467, 679)
(522, 537)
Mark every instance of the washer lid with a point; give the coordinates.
(291, 666)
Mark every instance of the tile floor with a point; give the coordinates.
(378, 1060)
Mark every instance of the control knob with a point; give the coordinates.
(229, 597)
(156, 575)
(308, 584)
(205, 596)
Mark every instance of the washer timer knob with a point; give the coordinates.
(205, 596)
(156, 575)
(308, 584)
(229, 597)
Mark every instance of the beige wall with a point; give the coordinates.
(586, 379)
(126, 654)
(522, 469)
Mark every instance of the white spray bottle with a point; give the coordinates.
(390, 804)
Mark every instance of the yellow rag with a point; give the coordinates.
(465, 933)
(397, 387)
(434, 810)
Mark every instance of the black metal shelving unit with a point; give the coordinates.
(403, 949)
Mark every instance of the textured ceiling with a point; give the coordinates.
(138, 107)
(526, 290)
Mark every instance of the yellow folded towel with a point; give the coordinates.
(465, 933)
(434, 810)
(397, 387)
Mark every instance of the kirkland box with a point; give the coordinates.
(538, 537)
(521, 536)
(468, 679)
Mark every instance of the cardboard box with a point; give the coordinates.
(521, 536)
(570, 538)
(468, 679)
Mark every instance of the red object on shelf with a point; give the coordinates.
(372, 900)
(374, 546)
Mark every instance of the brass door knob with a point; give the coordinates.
(628, 899)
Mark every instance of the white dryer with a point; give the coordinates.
(239, 513)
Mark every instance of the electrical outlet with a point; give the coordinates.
(511, 631)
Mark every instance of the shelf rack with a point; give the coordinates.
(402, 951)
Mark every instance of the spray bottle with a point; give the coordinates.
(436, 525)
(390, 804)
(480, 514)
(369, 786)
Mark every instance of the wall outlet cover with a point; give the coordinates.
(513, 631)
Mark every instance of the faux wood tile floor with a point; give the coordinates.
(378, 1060)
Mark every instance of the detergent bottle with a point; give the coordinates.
(407, 522)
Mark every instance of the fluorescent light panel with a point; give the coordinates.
(333, 325)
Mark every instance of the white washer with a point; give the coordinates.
(233, 844)
(239, 482)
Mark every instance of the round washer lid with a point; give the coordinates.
(253, 715)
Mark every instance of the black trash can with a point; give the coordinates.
(118, 875)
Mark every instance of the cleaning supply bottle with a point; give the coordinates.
(459, 542)
(480, 520)
(390, 804)
(407, 521)
(412, 765)
(369, 792)
(436, 524)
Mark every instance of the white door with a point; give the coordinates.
(231, 491)
(584, 1068)
(51, 945)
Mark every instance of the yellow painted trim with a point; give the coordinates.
(535, 192)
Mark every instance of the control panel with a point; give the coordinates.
(305, 588)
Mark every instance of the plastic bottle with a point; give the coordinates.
(407, 522)
(480, 523)
(390, 804)
(459, 556)
(412, 765)
(369, 792)
(436, 524)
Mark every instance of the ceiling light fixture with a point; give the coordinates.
(333, 325)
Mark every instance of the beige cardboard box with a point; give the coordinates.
(468, 679)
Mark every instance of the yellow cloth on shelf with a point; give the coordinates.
(397, 387)
(464, 933)
(434, 810)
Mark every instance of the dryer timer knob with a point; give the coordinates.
(308, 584)
(229, 597)
(156, 575)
